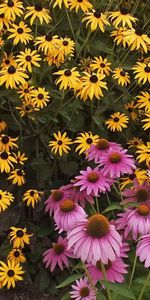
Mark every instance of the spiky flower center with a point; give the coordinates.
(98, 265)
(97, 226)
(4, 155)
(84, 292)
(93, 79)
(16, 253)
(115, 157)
(102, 144)
(11, 70)
(93, 177)
(5, 139)
(147, 69)
(67, 73)
(20, 30)
(19, 233)
(143, 210)
(116, 119)
(58, 248)
(67, 205)
(89, 141)
(57, 195)
(10, 273)
(142, 195)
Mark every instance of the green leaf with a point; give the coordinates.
(100, 296)
(119, 289)
(112, 207)
(69, 280)
(44, 280)
(66, 297)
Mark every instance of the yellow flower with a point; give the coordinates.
(5, 200)
(7, 143)
(1, 42)
(68, 79)
(8, 60)
(122, 18)
(12, 76)
(140, 175)
(117, 122)
(60, 3)
(122, 76)
(136, 39)
(10, 273)
(17, 176)
(31, 197)
(27, 107)
(61, 143)
(91, 86)
(101, 65)
(3, 125)
(85, 64)
(28, 58)
(20, 33)
(20, 157)
(132, 109)
(142, 72)
(47, 43)
(53, 57)
(25, 91)
(11, 9)
(40, 97)
(19, 237)
(135, 142)
(84, 5)
(96, 19)
(38, 12)
(4, 22)
(119, 36)
(16, 255)
(144, 153)
(146, 121)
(144, 101)
(85, 140)
(6, 161)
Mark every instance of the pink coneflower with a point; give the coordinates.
(115, 271)
(82, 290)
(68, 214)
(116, 163)
(139, 193)
(143, 250)
(58, 255)
(78, 196)
(93, 181)
(100, 148)
(53, 201)
(95, 239)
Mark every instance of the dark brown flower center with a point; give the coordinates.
(7, 61)
(28, 58)
(147, 69)
(20, 173)
(38, 7)
(130, 109)
(20, 30)
(4, 155)
(98, 265)
(28, 108)
(116, 119)
(89, 141)
(58, 248)
(5, 139)
(16, 253)
(124, 11)
(115, 157)
(84, 292)
(19, 233)
(97, 14)
(11, 70)
(93, 177)
(122, 73)
(102, 144)
(48, 37)
(59, 142)
(0, 196)
(32, 193)
(26, 91)
(1, 16)
(93, 79)
(132, 176)
(80, 1)
(65, 43)
(57, 195)
(102, 65)
(10, 273)
(97, 226)
(138, 31)
(40, 96)
(142, 195)
(10, 3)
(67, 73)
(67, 205)
(143, 210)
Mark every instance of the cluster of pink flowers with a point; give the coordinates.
(92, 238)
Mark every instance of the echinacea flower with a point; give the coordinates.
(117, 122)
(57, 255)
(10, 273)
(93, 181)
(90, 240)
(82, 290)
(143, 250)
(68, 214)
(53, 201)
(19, 237)
(139, 192)
(117, 162)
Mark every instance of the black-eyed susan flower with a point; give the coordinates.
(144, 153)
(20, 33)
(101, 65)
(47, 43)
(1, 42)
(7, 143)
(17, 177)
(67, 46)
(121, 76)
(85, 140)
(144, 101)
(3, 125)
(31, 197)
(4, 22)
(8, 60)
(96, 19)
(27, 107)
(137, 39)
(117, 122)
(40, 97)
(25, 91)
(139, 174)
(85, 64)
(19, 237)
(6, 198)
(38, 12)
(11, 9)
(84, 5)
(142, 72)
(20, 157)
(146, 120)
(28, 58)
(55, 57)
(12, 76)
(91, 86)
(6, 162)
(119, 36)
(135, 142)
(16, 255)
(61, 143)
(131, 107)
(122, 18)
(60, 3)
(68, 79)
(10, 273)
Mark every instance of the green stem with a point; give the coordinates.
(133, 270)
(109, 202)
(105, 278)
(69, 21)
(144, 287)
(89, 277)
(97, 205)
(83, 46)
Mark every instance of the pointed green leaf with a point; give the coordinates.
(69, 280)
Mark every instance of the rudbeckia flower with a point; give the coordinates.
(140, 175)
(31, 197)
(68, 79)
(96, 19)
(38, 12)
(40, 97)
(60, 3)
(135, 142)
(19, 237)
(25, 91)
(27, 107)
(12, 76)
(11, 9)
(61, 143)
(8, 60)
(117, 122)
(1, 42)
(119, 36)
(136, 39)
(101, 65)
(47, 43)
(10, 273)
(144, 153)
(27, 59)
(16, 255)
(6, 199)
(84, 141)
(122, 18)
(131, 107)
(17, 176)
(122, 77)
(142, 72)
(6, 161)
(20, 157)
(143, 101)
(7, 143)
(146, 121)
(20, 33)
(3, 125)
(4, 22)
(84, 5)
